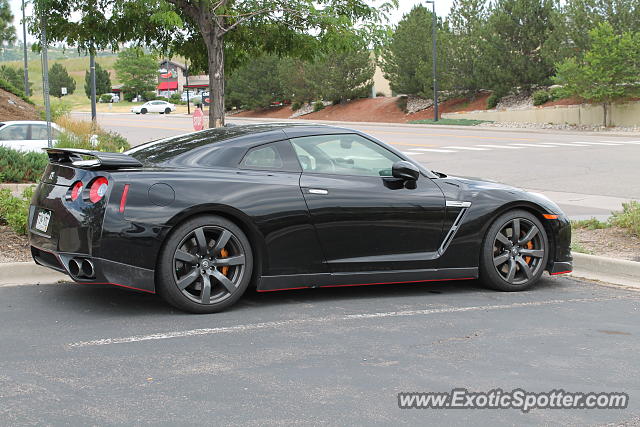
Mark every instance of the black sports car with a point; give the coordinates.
(197, 218)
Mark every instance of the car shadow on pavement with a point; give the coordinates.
(111, 300)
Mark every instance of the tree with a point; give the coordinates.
(515, 34)
(136, 70)
(407, 58)
(464, 67)
(579, 17)
(7, 30)
(609, 71)
(256, 84)
(13, 76)
(103, 81)
(59, 78)
(339, 75)
(212, 34)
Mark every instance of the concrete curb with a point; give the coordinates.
(15, 188)
(611, 270)
(24, 273)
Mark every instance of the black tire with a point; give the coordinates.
(143, 111)
(167, 110)
(137, 113)
(183, 272)
(509, 264)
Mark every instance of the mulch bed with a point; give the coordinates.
(15, 248)
(610, 242)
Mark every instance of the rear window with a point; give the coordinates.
(163, 150)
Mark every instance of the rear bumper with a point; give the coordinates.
(561, 267)
(104, 271)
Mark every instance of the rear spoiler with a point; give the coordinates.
(103, 160)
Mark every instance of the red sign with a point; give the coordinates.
(198, 119)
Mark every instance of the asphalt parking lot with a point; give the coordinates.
(100, 355)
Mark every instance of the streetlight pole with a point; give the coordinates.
(435, 61)
(24, 43)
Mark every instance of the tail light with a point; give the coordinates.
(98, 189)
(76, 190)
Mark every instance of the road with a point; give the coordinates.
(586, 174)
(98, 355)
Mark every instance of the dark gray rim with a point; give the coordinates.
(518, 251)
(201, 271)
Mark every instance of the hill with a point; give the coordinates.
(14, 108)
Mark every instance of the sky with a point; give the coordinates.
(442, 9)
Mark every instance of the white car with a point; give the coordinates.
(27, 135)
(162, 107)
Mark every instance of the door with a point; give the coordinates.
(15, 136)
(38, 138)
(365, 219)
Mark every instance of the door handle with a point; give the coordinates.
(318, 191)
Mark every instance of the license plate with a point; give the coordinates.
(42, 221)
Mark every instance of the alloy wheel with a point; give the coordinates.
(518, 251)
(209, 264)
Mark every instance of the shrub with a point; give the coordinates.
(590, 224)
(6, 85)
(492, 101)
(84, 134)
(175, 97)
(380, 95)
(629, 218)
(105, 97)
(402, 103)
(555, 93)
(296, 105)
(150, 96)
(319, 105)
(16, 166)
(14, 211)
(540, 97)
(59, 109)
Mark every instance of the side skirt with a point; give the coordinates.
(302, 281)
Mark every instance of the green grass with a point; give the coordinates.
(590, 224)
(577, 247)
(458, 122)
(629, 218)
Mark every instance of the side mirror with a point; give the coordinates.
(405, 170)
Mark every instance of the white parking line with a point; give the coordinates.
(435, 150)
(535, 145)
(622, 142)
(566, 144)
(499, 146)
(314, 320)
(466, 148)
(598, 143)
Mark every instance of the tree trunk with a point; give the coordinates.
(215, 48)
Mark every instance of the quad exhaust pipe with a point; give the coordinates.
(81, 268)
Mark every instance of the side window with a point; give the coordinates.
(264, 157)
(14, 133)
(40, 132)
(344, 154)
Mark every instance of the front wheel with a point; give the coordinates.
(205, 265)
(143, 111)
(514, 252)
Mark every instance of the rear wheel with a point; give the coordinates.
(205, 265)
(167, 110)
(514, 252)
